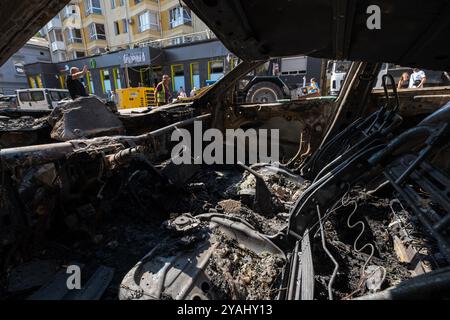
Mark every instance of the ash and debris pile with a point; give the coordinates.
(23, 131)
(116, 221)
(364, 237)
(25, 123)
(231, 192)
(242, 274)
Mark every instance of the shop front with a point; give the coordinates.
(109, 72)
(190, 66)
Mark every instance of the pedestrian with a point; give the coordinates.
(112, 97)
(403, 83)
(313, 87)
(417, 79)
(182, 93)
(73, 83)
(163, 95)
(193, 92)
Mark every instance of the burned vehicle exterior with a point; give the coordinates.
(357, 208)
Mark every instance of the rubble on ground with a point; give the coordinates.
(242, 274)
(25, 123)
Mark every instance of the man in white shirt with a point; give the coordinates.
(417, 78)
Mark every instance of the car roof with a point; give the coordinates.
(412, 32)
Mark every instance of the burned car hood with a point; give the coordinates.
(412, 32)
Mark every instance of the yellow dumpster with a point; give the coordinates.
(131, 98)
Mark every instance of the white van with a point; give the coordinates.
(40, 99)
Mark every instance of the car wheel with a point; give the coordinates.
(264, 92)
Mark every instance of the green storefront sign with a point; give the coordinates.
(92, 64)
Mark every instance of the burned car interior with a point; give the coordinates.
(358, 206)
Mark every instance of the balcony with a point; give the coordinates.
(55, 23)
(178, 40)
(74, 40)
(70, 11)
(58, 45)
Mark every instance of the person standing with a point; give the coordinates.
(182, 93)
(193, 92)
(112, 97)
(417, 79)
(163, 92)
(73, 83)
(313, 87)
(403, 83)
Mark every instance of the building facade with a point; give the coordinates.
(189, 65)
(91, 27)
(54, 33)
(12, 73)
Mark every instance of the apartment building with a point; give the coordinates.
(91, 27)
(53, 32)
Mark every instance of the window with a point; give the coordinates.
(64, 94)
(52, 37)
(195, 75)
(69, 11)
(117, 79)
(125, 25)
(157, 73)
(74, 36)
(176, 41)
(97, 51)
(97, 31)
(179, 16)
(178, 77)
(56, 95)
(106, 81)
(79, 54)
(148, 20)
(116, 28)
(58, 36)
(24, 96)
(92, 7)
(113, 4)
(37, 96)
(215, 70)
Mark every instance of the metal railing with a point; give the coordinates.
(177, 40)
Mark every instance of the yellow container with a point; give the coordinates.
(131, 98)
